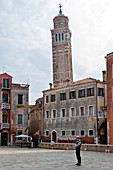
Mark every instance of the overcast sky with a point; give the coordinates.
(25, 39)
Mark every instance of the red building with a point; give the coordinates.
(13, 109)
(109, 62)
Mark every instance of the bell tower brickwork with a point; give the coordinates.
(61, 50)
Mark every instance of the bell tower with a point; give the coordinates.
(61, 50)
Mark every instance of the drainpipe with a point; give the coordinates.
(96, 113)
(43, 114)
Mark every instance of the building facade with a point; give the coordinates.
(76, 109)
(36, 120)
(109, 64)
(61, 50)
(13, 109)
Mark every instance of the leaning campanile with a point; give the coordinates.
(61, 50)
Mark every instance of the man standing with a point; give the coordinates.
(77, 146)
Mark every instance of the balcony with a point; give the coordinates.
(5, 106)
(5, 125)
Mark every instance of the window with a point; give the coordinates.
(90, 133)
(56, 39)
(39, 115)
(72, 132)
(19, 132)
(59, 37)
(4, 118)
(63, 113)
(47, 99)
(72, 112)
(53, 99)
(47, 114)
(5, 98)
(72, 95)
(54, 114)
(63, 133)
(20, 99)
(62, 96)
(47, 133)
(91, 111)
(62, 36)
(5, 83)
(100, 92)
(90, 92)
(81, 93)
(82, 133)
(82, 111)
(19, 119)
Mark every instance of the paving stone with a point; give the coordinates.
(46, 159)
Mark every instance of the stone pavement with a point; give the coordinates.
(46, 159)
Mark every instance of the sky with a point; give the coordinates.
(25, 39)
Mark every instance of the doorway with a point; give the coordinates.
(54, 136)
(4, 139)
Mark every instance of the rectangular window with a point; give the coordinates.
(62, 96)
(63, 112)
(5, 98)
(4, 118)
(72, 112)
(39, 115)
(53, 99)
(54, 113)
(72, 94)
(91, 111)
(90, 92)
(100, 92)
(47, 99)
(5, 83)
(47, 114)
(63, 133)
(47, 133)
(81, 93)
(82, 133)
(82, 111)
(19, 119)
(90, 133)
(20, 99)
(72, 132)
(19, 132)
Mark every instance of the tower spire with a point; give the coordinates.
(60, 12)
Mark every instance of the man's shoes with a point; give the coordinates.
(78, 164)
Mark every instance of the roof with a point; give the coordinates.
(109, 55)
(79, 82)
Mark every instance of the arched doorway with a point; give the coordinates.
(54, 136)
(103, 133)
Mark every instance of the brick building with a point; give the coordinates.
(109, 63)
(36, 119)
(13, 109)
(61, 50)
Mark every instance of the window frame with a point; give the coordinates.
(90, 93)
(22, 99)
(80, 95)
(72, 130)
(89, 134)
(71, 95)
(47, 117)
(47, 131)
(21, 119)
(55, 113)
(63, 113)
(53, 98)
(93, 109)
(63, 96)
(5, 82)
(80, 111)
(62, 133)
(80, 132)
(71, 112)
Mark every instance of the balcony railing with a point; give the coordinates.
(5, 106)
(5, 125)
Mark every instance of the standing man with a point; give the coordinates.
(77, 146)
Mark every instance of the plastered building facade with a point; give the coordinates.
(13, 109)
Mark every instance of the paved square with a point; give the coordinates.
(46, 159)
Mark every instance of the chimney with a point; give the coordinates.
(50, 85)
(104, 75)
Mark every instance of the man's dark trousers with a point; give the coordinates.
(78, 154)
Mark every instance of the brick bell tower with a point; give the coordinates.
(61, 50)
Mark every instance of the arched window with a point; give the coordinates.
(56, 39)
(62, 36)
(59, 37)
